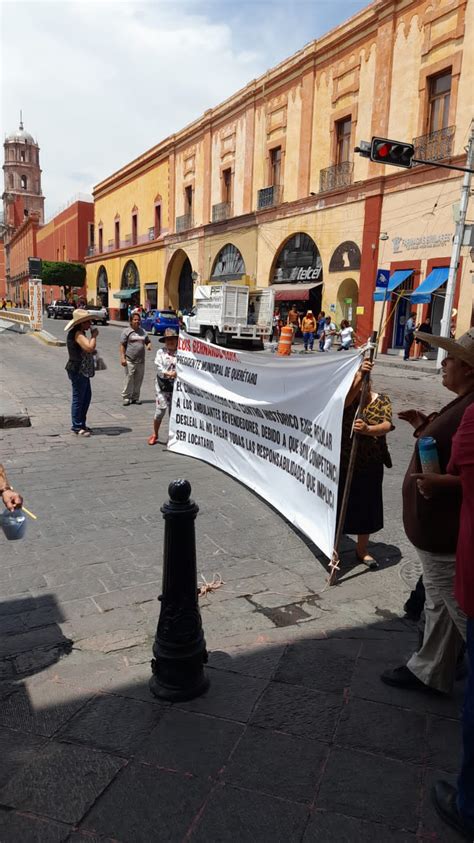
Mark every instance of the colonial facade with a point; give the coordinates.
(265, 188)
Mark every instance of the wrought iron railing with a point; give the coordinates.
(436, 145)
(184, 222)
(268, 197)
(221, 211)
(339, 175)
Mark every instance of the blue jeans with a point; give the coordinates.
(407, 344)
(466, 776)
(308, 337)
(81, 398)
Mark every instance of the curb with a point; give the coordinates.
(386, 364)
(47, 339)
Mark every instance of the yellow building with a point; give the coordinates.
(266, 188)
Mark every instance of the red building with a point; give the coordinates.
(67, 237)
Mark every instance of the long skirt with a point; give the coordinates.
(365, 507)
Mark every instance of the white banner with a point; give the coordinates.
(272, 422)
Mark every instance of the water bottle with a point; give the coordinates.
(428, 452)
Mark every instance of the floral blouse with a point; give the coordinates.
(371, 450)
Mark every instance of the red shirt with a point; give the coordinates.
(462, 463)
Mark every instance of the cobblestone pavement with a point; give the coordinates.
(296, 739)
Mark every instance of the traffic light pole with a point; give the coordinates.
(445, 330)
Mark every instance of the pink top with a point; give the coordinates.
(462, 463)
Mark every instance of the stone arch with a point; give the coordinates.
(228, 264)
(130, 279)
(102, 286)
(179, 282)
(347, 300)
(345, 257)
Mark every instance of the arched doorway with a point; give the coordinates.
(229, 264)
(347, 300)
(185, 287)
(129, 288)
(297, 275)
(179, 282)
(102, 287)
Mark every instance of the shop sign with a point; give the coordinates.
(298, 273)
(36, 303)
(428, 241)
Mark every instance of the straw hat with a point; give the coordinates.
(463, 348)
(78, 316)
(169, 334)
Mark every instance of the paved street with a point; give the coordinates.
(296, 739)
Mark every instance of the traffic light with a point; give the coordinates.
(397, 153)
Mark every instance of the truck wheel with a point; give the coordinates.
(154, 331)
(209, 335)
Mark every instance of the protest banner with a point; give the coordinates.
(273, 423)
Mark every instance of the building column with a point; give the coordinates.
(369, 264)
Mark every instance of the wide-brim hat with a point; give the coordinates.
(79, 315)
(168, 335)
(463, 348)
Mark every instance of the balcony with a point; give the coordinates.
(221, 211)
(436, 145)
(339, 175)
(184, 222)
(268, 197)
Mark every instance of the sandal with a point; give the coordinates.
(367, 560)
(153, 439)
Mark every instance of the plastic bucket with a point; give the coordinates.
(13, 524)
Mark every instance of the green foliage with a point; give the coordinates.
(63, 274)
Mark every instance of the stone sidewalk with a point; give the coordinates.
(296, 738)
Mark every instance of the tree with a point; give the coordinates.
(63, 274)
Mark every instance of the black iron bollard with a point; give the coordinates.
(179, 649)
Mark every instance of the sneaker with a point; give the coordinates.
(402, 677)
(136, 401)
(153, 439)
(424, 357)
(81, 432)
(126, 402)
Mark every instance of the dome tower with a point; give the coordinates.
(22, 176)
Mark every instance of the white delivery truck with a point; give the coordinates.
(224, 312)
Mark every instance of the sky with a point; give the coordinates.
(101, 81)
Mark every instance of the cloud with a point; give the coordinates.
(100, 82)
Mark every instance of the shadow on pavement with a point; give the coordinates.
(111, 431)
(292, 741)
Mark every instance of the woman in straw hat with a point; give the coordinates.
(80, 368)
(431, 517)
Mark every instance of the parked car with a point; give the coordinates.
(156, 321)
(98, 313)
(59, 309)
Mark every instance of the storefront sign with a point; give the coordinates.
(298, 273)
(255, 418)
(429, 241)
(35, 289)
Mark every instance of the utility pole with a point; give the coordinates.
(445, 330)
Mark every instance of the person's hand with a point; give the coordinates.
(360, 426)
(94, 332)
(367, 366)
(428, 484)
(123, 363)
(12, 500)
(413, 417)
(172, 375)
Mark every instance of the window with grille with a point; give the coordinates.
(275, 166)
(439, 100)
(343, 140)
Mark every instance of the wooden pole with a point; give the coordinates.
(334, 563)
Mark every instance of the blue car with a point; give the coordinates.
(156, 321)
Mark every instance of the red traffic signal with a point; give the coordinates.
(397, 153)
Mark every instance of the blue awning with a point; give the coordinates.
(397, 278)
(432, 282)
